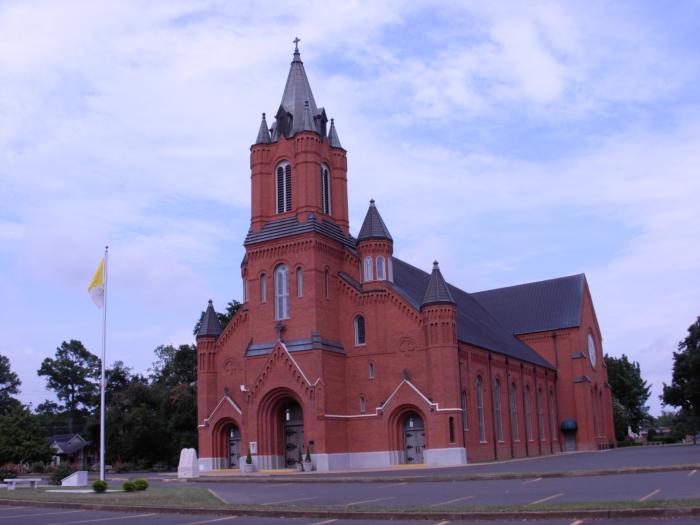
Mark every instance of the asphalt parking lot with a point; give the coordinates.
(48, 516)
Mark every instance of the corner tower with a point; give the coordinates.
(298, 166)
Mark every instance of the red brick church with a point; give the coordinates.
(369, 361)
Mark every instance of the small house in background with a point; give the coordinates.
(70, 448)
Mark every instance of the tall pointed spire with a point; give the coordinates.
(263, 132)
(291, 117)
(373, 226)
(209, 325)
(437, 292)
(333, 136)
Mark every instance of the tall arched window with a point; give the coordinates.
(284, 187)
(325, 189)
(528, 414)
(540, 416)
(381, 272)
(465, 415)
(451, 429)
(368, 268)
(263, 288)
(370, 368)
(244, 287)
(514, 413)
(281, 292)
(326, 283)
(300, 282)
(360, 332)
(497, 409)
(480, 408)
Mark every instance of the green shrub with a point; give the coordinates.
(140, 484)
(99, 486)
(9, 470)
(38, 467)
(129, 486)
(62, 471)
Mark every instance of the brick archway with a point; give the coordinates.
(220, 440)
(396, 423)
(271, 426)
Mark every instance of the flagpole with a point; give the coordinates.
(102, 376)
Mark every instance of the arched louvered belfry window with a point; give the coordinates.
(283, 184)
(281, 292)
(325, 189)
(360, 331)
(480, 408)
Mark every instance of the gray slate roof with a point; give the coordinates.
(437, 291)
(289, 226)
(475, 325)
(298, 110)
(536, 307)
(209, 325)
(373, 226)
(333, 136)
(263, 133)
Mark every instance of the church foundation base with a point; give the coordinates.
(269, 462)
(324, 462)
(208, 464)
(445, 456)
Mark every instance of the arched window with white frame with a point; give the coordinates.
(283, 183)
(281, 292)
(480, 408)
(263, 288)
(300, 282)
(381, 270)
(363, 405)
(371, 370)
(368, 268)
(359, 331)
(325, 189)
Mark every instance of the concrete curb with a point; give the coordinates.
(301, 478)
(672, 512)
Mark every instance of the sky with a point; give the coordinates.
(511, 141)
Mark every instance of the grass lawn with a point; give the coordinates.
(154, 496)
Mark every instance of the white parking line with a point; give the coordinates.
(393, 485)
(210, 521)
(10, 508)
(95, 520)
(442, 523)
(289, 500)
(547, 498)
(651, 494)
(53, 513)
(367, 501)
(222, 500)
(532, 481)
(577, 522)
(692, 472)
(323, 522)
(451, 501)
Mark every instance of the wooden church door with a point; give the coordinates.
(414, 438)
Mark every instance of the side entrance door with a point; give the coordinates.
(234, 447)
(414, 438)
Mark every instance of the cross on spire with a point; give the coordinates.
(296, 44)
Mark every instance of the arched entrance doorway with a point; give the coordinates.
(293, 432)
(413, 437)
(233, 435)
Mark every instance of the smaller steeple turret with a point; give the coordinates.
(437, 292)
(209, 325)
(263, 133)
(333, 136)
(375, 247)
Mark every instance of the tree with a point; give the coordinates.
(73, 375)
(231, 308)
(630, 390)
(21, 439)
(9, 386)
(684, 390)
(175, 366)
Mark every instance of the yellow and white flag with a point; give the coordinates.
(97, 285)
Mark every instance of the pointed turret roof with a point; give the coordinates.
(437, 291)
(263, 132)
(373, 226)
(292, 115)
(333, 136)
(209, 325)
